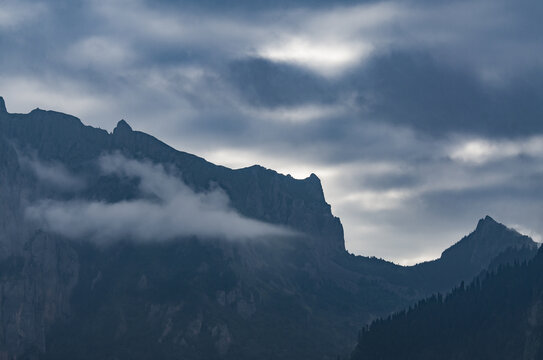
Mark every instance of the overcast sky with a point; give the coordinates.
(420, 117)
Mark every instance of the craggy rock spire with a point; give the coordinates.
(3, 105)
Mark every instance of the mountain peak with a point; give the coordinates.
(3, 105)
(486, 222)
(489, 239)
(488, 218)
(314, 178)
(122, 127)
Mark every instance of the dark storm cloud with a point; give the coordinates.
(404, 88)
(415, 90)
(406, 110)
(265, 83)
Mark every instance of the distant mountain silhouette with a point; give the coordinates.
(499, 316)
(476, 252)
(296, 297)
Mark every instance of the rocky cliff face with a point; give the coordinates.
(37, 271)
(35, 288)
(290, 298)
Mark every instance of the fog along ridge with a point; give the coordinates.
(286, 288)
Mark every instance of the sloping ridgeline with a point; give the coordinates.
(499, 316)
(66, 296)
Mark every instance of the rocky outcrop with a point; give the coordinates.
(3, 105)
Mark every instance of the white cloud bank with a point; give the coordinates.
(168, 209)
(481, 151)
(53, 174)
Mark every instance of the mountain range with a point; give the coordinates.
(117, 246)
(497, 316)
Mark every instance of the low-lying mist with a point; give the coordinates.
(166, 209)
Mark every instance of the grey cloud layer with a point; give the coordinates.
(168, 209)
(405, 110)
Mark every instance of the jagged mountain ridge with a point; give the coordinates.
(67, 140)
(301, 298)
